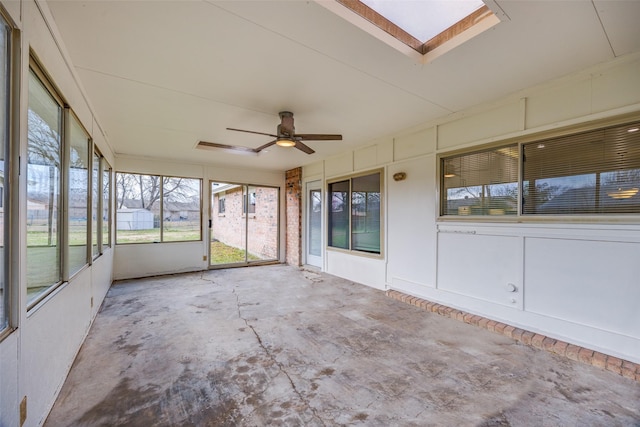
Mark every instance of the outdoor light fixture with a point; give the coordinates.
(285, 142)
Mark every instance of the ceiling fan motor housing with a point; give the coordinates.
(286, 127)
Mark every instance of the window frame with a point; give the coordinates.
(222, 196)
(62, 212)
(446, 165)
(68, 116)
(161, 180)
(328, 204)
(10, 294)
(367, 19)
(534, 138)
(105, 167)
(39, 73)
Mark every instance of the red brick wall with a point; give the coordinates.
(229, 227)
(293, 207)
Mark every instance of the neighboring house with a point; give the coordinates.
(173, 211)
(611, 199)
(237, 208)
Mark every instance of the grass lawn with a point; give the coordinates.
(153, 235)
(224, 254)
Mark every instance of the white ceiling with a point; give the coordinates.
(162, 75)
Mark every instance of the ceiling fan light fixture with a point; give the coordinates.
(623, 193)
(285, 142)
(449, 171)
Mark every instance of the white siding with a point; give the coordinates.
(575, 282)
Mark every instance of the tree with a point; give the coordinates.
(144, 191)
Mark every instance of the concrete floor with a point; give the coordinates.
(277, 345)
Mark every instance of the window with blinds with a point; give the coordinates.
(481, 183)
(595, 172)
(588, 173)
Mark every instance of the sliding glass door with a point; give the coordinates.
(244, 224)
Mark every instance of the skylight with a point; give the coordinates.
(427, 27)
(424, 19)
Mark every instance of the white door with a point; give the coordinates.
(314, 224)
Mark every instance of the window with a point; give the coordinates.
(140, 207)
(424, 19)
(221, 202)
(354, 213)
(181, 209)
(106, 203)
(61, 191)
(5, 49)
(595, 172)
(100, 205)
(78, 195)
(43, 190)
(481, 183)
(249, 197)
(95, 202)
(588, 173)
(421, 25)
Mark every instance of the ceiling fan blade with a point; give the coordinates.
(262, 147)
(318, 137)
(251, 131)
(239, 149)
(302, 147)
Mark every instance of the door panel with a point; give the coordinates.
(314, 224)
(262, 224)
(244, 224)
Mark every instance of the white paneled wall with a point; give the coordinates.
(483, 266)
(590, 282)
(576, 282)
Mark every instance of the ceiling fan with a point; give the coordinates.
(285, 136)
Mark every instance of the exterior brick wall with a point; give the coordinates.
(230, 227)
(293, 206)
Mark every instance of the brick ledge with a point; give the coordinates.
(580, 354)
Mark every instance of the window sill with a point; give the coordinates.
(631, 219)
(363, 254)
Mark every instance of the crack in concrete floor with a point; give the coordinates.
(274, 346)
(273, 358)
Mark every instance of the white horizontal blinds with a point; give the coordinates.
(588, 173)
(481, 183)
